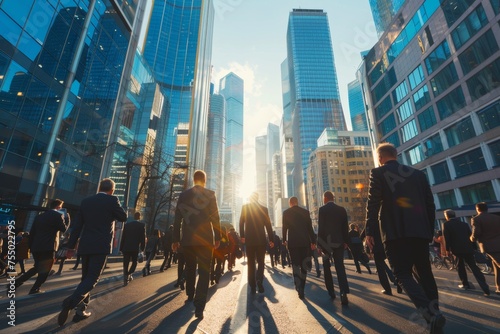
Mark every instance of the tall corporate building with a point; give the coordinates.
(178, 47)
(286, 138)
(314, 94)
(272, 151)
(432, 89)
(383, 12)
(60, 71)
(261, 168)
(216, 144)
(356, 106)
(232, 88)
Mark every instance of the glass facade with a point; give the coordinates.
(383, 12)
(216, 144)
(357, 106)
(57, 98)
(315, 98)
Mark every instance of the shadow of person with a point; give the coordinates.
(257, 312)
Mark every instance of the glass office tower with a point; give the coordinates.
(356, 106)
(216, 145)
(178, 47)
(383, 12)
(432, 90)
(60, 71)
(315, 99)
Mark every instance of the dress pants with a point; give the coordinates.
(408, 257)
(495, 262)
(42, 267)
(127, 257)
(92, 267)
(383, 270)
(300, 258)
(255, 253)
(338, 260)
(462, 273)
(200, 256)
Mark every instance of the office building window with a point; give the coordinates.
(495, 152)
(496, 6)
(393, 139)
(441, 172)
(469, 27)
(469, 162)
(387, 125)
(400, 92)
(404, 111)
(416, 77)
(451, 103)
(383, 108)
(447, 199)
(421, 97)
(454, 9)
(444, 79)
(485, 80)
(481, 49)
(437, 57)
(490, 116)
(426, 119)
(415, 154)
(480, 192)
(409, 130)
(432, 145)
(460, 132)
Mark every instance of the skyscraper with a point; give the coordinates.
(356, 106)
(261, 168)
(314, 94)
(272, 154)
(383, 12)
(286, 138)
(179, 49)
(231, 87)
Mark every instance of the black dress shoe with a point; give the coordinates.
(332, 295)
(63, 315)
(144, 272)
(343, 298)
(190, 298)
(252, 290)
(80, 317)
(260, 286)
(318, 274)
(387, 292)
(36, 291)
(198, 314)
(437, 323)
(399, 289)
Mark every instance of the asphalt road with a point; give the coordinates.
(153, 305)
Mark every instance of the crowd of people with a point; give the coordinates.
(400, 226)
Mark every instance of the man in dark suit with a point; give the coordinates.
(94, 227)
(198, 216)
(400, 201)
(42, 242)
(457, 239)
(299, 237)
(254, 221)
(166, 241)
(133, 239)
(486, 230)
(333, 237)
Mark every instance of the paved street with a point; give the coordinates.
(152, 305)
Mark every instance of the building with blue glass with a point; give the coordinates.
(356, 106)
(60, 71)
(432, 89)
(286, 137)
(216, 144)
(384, 11)
(314, 93)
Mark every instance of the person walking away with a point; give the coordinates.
(356, 247)
(400, 201)
(42, 241)
(486, 231)
(254, 221)
(61, 255)
(151, 249)
(234, 244)
(94, 228)
(333, 237)
(197, 215)
(299, 238)
(167, 249)
(219, 257)
(22, 249)
(133, 241)
(457, 238)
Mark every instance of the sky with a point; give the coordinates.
(250, 40)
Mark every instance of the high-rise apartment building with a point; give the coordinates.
(432, 90)
(384, 11)
(178, 47)
(60, 78)
(356, 106)
(216, 145)
(231, 87)
(314, 93)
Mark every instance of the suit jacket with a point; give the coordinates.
(254, 220)
(486, 230)
(457, 237)
(297, 222)
(400, 201)
(133, 237)
(197, 215)
(45, 230)
(333, 227)
(95, 224)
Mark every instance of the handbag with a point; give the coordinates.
(480, 257)
(140, 257)
(61, 253)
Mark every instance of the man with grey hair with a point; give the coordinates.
(457, 239)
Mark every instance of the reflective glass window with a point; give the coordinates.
(421, 97)
(416, 77)
(451, 103)
(9, 29)
(469, 162)
(426, 119)
(479, 192)
(13, 164)
(415, 155)
(495, 152)
(18, 11)
(383, 108)
(460, 132)
(437, 57)
(496, 6)
(485, 80)
(469, 27)
(447, 199)
(400, 92)
(393, 139)
(409, 130)
(20, 143)
(444, 79)
(453, 10)
(441, 172)
(480, 50)
(490, 117)
(387, 125)
(432, 145)
(405, 110)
